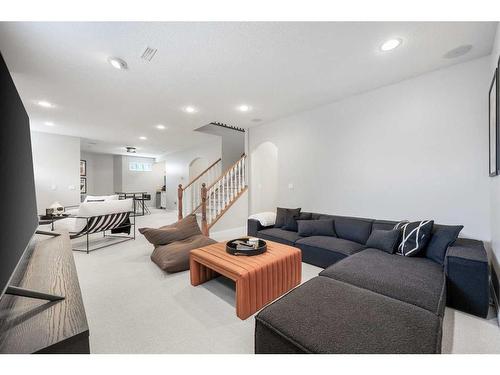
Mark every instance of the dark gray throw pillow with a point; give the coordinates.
(384, 240)
(414, 237)
(282, 215)
(442, 237)
(291, 222)
(309, 228)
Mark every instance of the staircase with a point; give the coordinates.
(211, 193)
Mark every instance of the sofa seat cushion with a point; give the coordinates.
(174, 257)
(279, 235)
(339, 245)
(324, 315)
(414, 280)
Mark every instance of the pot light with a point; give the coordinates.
(243, 108)
(48, 123)
(189, 109)
(143, 138)
(45, 104)
(391, 44)
(117, 63)
(161, 127)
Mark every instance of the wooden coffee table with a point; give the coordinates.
(259, 279)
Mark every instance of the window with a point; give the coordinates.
(140, 167)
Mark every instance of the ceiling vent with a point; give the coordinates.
(131, 150)
(149, 53)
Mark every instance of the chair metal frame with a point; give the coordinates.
(103, 223)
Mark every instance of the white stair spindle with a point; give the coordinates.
(244, 181)
(219, 207)
(228, 191)
(238, 175)
(210, 206)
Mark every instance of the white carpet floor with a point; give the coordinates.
(134, 307)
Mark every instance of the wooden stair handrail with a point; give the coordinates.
(202, 173)
(227, 171)
(180, 189)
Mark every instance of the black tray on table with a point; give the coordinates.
(231, 248)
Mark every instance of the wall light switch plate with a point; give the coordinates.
(53, 187)
(290, 186)
(71, 187)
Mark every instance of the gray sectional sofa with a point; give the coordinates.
(367, 300)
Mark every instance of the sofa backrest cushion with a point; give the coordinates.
(323, 227)
(350, 228)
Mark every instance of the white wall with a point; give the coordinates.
(99, 173)
(56, 164)
(413, 150)
(495, 181)
(134, 181)
(177, 166)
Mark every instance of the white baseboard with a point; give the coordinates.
(229, 234)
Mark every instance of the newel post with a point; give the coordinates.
(204, 224)
(179, 202)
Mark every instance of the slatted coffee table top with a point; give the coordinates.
(240, 265)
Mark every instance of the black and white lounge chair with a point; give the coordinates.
(113, 218)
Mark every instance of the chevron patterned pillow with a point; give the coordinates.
(414, 236)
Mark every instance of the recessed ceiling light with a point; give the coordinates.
(143, 138)
(48, 123)
(391, 44)
(190, 109)
(161, 127)
(45, 104)
(117, 63)
(243, 108)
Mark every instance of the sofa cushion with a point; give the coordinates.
(279, 235)
(384, 240)
(339, 245)
(174, 257)
(414, 237)
(383, 225)
(328, 316)
(353, 229)
(180, 230)
(282, 215)
(322, 227)
(415, 280)
(291, 221)
(442, 237)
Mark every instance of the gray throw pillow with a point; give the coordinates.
(309, 228)
(384, 240)
(291, 222)
(283, 214)
(442, 237)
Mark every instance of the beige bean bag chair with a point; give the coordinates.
(174, 242)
